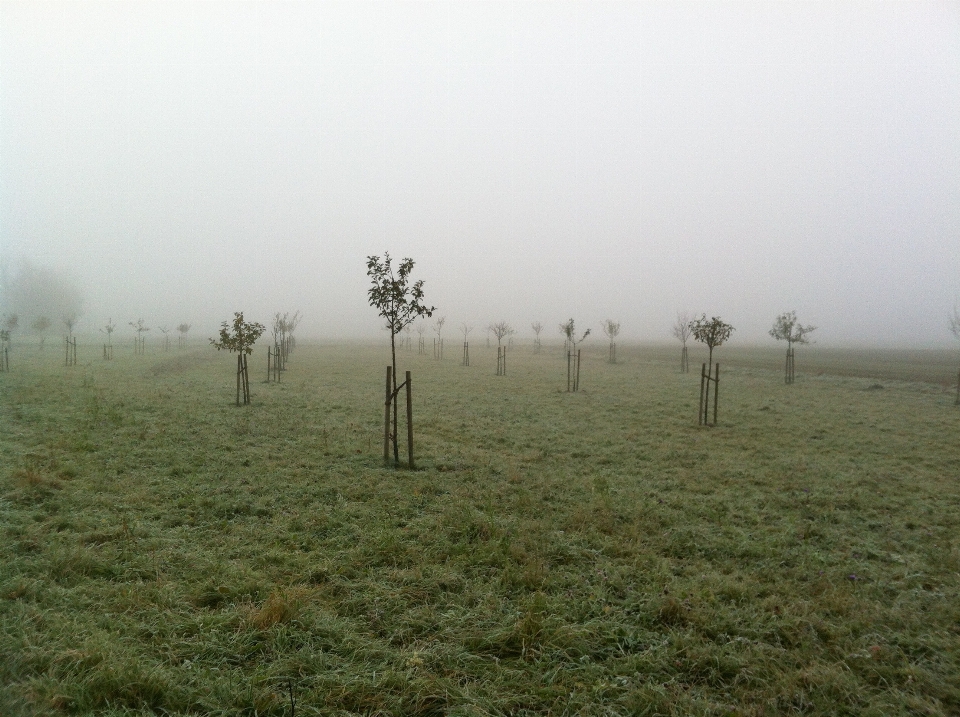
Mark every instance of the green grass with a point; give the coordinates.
(164, 552)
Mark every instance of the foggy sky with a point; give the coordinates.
(182, 161)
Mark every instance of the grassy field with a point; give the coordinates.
(164, 552)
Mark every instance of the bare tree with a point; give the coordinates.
(438, 327)
(537, 328)
(422, 344)
(681, 331)
(612, 330)
(786, 328)
(501, 330)
(400, 303)
(465, 329)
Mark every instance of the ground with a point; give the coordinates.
(165, 552)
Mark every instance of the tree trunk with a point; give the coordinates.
(393, 389)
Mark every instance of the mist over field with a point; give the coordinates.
(182, 161)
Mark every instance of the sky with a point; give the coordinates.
(180, 161)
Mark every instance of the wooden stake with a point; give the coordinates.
(386, 418)
(716, 389)
(409, 421)
(700, 410)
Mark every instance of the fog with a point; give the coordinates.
(539, 161)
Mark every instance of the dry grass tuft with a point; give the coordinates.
(281, 606)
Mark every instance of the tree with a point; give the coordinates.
(108, 330)
(713, 333)
(465, 329)
(537, 328)
(400, 303)
(954, 323)
(40, 326)
(35, 291)
(11, 322)
(69, 321)
(183, 329)
(501, 330)
(438, 327)
(139, 327)
(166, 339)
(786, 328)
(240, 340)
(569, 330)
(681, 330)
(612, 330)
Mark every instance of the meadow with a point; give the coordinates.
(591, 553)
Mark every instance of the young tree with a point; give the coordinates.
(438, 327)
(465, 329)
(166, 339)
(681, 331)
(537, 328)
(786, 328)
(422, 345)
(139, 327)
(501, 330)
(400, 303)
(954, 323)
(108, 330)
(40, 326)
(183, 329)
(569, 331)
(10, 324)
(612, 330)
(69, 321)
(240, 340)
(712, 332)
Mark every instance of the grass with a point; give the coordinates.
(164, 552)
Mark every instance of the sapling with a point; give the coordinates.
(465, 329)
(400, 303)
(713, 332)
(537, 328)
(108, 347)
(612, 330)
(569, 331)
(786, 328)
(239, 338)
(954, 323)
(681, 331)
(438, 343)
(139, 327)
(40, 326)
(501, 330)
(166, 339)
